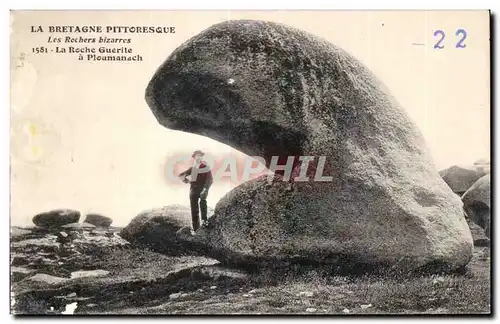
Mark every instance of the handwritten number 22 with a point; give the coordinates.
(460, 43)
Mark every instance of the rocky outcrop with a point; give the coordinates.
(477, 203)
(267, 89)
(76, 242)
(92, 270)
(89, 273)
(56, 218)
(42, 278)
(78, 226)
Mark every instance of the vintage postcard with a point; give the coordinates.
(250, 162)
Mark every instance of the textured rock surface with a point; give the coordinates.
(478, 234)
(78, 226)
(461, 178)
(89, 273)
(98, 220)
(477, 203)
(157, 229)
(267, 89)
(46, 279)
(47, 244)
(56, 218)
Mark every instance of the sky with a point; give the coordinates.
(83, 137)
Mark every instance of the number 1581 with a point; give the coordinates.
(38, 50)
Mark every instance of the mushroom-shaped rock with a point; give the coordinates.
(98, 220)
(482, 161)
(269, 90)
(56, 218)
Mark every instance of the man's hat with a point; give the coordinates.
(197, 152)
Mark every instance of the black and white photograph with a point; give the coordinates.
(232, 162)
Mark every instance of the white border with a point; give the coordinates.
(150, 4)
(255, 4)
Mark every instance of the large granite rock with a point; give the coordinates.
(56, 218)
(157, 228)
(270, 90)
(461, 178)
(98, 220)
(477, 203)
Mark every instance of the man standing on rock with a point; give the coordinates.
(201, 180)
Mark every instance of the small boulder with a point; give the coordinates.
(157, 229)
(56, 218)
(477, 203)
(461, 178)
(98, 220)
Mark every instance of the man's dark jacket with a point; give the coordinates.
(204, 179)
